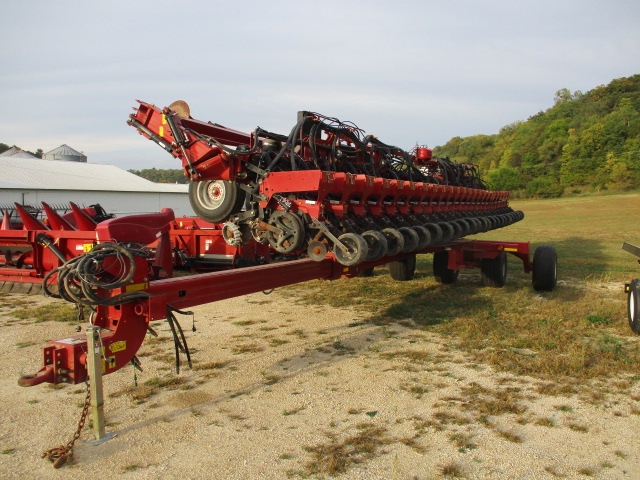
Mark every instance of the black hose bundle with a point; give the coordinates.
(80, 278)
(179, 340)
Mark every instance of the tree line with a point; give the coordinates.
(585, 142)
(160, 175)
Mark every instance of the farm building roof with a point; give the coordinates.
(36, 174)
(16, 152)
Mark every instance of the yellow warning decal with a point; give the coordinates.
(134, 287)
(161, 131)
(87, 247)
(118, 346)
(506, 249)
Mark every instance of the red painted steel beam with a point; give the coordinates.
(185, 292)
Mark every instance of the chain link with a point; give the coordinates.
(64, 453)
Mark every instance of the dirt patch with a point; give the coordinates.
(284, 389)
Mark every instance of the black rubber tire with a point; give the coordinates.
(435, 231)
(463, 226)
(411, 239)
(545, 269)
(403, 270)
(395, 241)
(441, 270)
(376, 243)
(215, 200)
(423, 235)
(448, 233)
(486, 224)
(493, 271)
(357, 250)
(633, 305)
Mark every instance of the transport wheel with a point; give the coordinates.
(545, 268)
(441, 270)
(291, 235)
(215, 200)
(356, 250)
(376, 243)
(403, 270)
(395, 241)
(493, 271)
(424, 237)
(411, 239)
(633, 305)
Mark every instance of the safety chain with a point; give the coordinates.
(64, 454)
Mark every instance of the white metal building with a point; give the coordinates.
(28, 180)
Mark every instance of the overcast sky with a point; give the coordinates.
(405, 71)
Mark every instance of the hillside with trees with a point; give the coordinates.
(159, 175)
(586, 142)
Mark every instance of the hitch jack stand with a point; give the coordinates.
(95, 355)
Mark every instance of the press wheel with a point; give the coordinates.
(356, 249)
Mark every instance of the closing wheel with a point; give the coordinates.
(411, 239)
(493, 271)
(376, 243)
(215, 200)
(290, 236)
(403, 270)
(357, 250)
(424, 237)
(633, 305)
(545, 268)
(317, 251)
(441, 270)
(395, 241)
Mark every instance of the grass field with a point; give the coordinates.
(577, 331)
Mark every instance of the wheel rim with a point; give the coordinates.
(211, 194)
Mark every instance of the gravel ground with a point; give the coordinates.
(284, 389)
